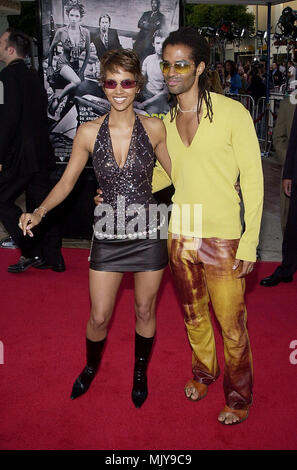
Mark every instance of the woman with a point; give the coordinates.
(215, 84)
(257, 87)
(75, 40)
(122, 145)
(232, 78)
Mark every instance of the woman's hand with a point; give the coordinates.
(237, 187)
(28, 221)
(98, 199)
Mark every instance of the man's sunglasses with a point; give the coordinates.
(181, 66)
(126, 84)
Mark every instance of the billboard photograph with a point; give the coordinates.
(75, 36)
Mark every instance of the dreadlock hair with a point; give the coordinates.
(200, 52)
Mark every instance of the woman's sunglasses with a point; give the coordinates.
(181, 66)
(126, 84)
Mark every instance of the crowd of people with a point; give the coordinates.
(251, 78)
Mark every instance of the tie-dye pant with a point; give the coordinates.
(202, 272)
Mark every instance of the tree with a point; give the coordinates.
(211, 15)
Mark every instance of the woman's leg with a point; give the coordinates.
(69, 74)
(146, 288)
(103, 290)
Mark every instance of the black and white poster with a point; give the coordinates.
(76, 34)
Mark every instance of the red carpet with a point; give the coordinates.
(42, 328)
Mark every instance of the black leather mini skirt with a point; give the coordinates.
(137, 255)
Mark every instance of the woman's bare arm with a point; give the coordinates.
(87, 56)
(56, 40)
(158, 132)
(79, 157)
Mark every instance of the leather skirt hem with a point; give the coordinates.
(126, 269)
(140, 255)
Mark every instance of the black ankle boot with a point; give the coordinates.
(83, 382)
(143, 347)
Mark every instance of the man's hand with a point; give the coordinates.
(27, 222)
(98, 199)
(247, 267)
(287, 186)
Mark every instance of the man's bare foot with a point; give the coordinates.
(195, 390)
(230, 416)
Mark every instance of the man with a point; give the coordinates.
(291, 74)
(107, 38)
(148, 24)
(276, 77)
(207, 152)
(26, 156)
(220, 70)
(284, 272)
(281, 135)
(155, 91)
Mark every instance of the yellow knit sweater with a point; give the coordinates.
(204, 175)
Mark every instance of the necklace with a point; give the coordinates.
(193, 110)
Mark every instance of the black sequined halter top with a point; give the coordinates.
(126, 190)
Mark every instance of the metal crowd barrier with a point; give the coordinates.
(247, 101)
(264, 117)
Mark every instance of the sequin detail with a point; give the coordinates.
(127, 191)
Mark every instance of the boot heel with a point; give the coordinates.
(140, 391)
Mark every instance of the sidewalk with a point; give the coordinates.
(270, 245)
(270, 236)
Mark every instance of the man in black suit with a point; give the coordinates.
(284, 272)
(107, 38)
(26, 156)
(148, 24)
